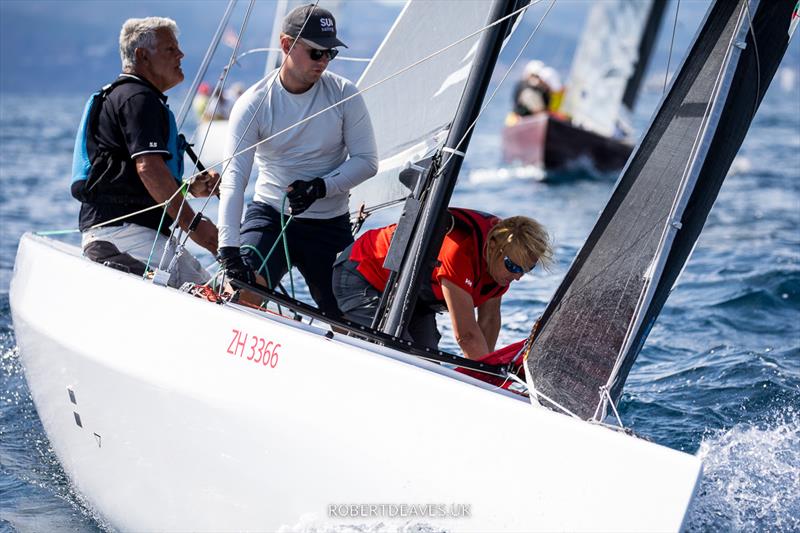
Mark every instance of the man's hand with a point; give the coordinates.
(230, 257)
(205, 234)
(206, 184)
(302, 194)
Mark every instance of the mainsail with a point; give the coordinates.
(412, 112)
(610, 61)
(593, 329)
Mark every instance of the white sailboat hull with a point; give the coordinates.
(176, 433)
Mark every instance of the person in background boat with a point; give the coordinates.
(135, 159)
(305, 170)
(538, 91)
(480, 256)
(218, 107)
(200, 100)
(236, 90)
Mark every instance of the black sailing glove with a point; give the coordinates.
(305, 193)
(230, 257)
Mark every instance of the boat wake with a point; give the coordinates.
(577, 172)
(494, 175)
(750, 478)
(309, 524)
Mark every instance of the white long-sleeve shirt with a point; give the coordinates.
(338, 146)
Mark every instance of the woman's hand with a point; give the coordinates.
(468, 334)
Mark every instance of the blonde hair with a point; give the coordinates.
(141, 33)
(523, 239)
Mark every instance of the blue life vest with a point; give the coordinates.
(88, 184)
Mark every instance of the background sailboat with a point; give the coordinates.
(591, 127)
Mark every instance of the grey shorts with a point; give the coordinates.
(138, 242)
(358, 300)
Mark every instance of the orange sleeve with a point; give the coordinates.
(456, 257)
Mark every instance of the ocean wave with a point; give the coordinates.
(750, 480)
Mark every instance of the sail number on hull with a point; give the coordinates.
(259, 349)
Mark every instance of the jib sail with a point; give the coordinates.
(593, 329)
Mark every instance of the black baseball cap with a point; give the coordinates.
(320, 30)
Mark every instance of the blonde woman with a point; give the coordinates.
(480, 256)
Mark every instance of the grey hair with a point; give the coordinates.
(141, 33)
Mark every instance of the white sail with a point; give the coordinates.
(605, 60)
(412, 111)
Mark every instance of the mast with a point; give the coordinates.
(594, 327)
(429, 228)
(646, 45)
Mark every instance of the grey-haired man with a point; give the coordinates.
(314, 163)
(132, 160)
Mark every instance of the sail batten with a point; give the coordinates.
(596, 324)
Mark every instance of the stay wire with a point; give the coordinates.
(210, 51)
(671, 44)
(757, 58)
(220, 85)
(218, 89)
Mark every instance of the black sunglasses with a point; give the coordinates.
(514, 268)
(316, 55)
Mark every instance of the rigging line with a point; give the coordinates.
(220, 85)
(605, 395)
(284, 224)
(155, 241)
(227, 161)
(218, 89)
(690, 163)
(537, 395)
(212, 48)
(176, 227)
(139, 212)
(757, 58)
(671, 43)
(502, 80)
(375, 84)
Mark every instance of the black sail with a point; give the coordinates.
(593, 329)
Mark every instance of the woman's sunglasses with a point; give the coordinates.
(316, 55)
(514, 268)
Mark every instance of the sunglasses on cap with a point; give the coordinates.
(316, 54)
(514, 268)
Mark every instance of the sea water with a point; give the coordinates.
(718, 377)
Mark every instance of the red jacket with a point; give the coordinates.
(461, 257)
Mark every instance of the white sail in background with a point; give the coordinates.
(412, 111)
(604, 61)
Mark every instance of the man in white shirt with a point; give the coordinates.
(313, 164)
